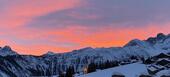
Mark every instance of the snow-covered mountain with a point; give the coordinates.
(6, 50)
(16, 65)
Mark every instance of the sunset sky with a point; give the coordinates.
(38, 26)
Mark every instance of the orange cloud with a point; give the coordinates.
(106, 37)
(37, 41)
(82, 36)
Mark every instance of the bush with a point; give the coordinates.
(116, 74)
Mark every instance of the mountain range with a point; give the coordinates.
(13, 64)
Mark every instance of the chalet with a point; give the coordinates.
(153, 69)
(163, 62)
(162, 55)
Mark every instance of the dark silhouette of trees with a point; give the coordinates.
(60, 73)
(91, 68)
(118, 76)
(143, 60)
(148, 61)
(108, 64)
(145, 75)
(134, 58)
(70, 72)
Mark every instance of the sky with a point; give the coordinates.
(37, 26)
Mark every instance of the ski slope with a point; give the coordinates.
(131, 70)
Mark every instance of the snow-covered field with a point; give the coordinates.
(131, 70)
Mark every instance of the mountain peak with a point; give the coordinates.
(6, 50)
(50, 53)
(86, 48)
(161, 36)
(133, 42)
(158, 38)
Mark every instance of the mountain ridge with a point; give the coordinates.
(48, 65)
(151, 40)
(158, 37)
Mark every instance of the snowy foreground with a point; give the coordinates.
(131, 70)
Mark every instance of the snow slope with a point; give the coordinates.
(131, 70)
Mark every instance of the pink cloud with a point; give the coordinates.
(19, 12)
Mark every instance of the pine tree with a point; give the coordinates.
(70, 72)
(107, 64)
(60, 73)
(143, 60)
(114, 63)
(91, 68)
